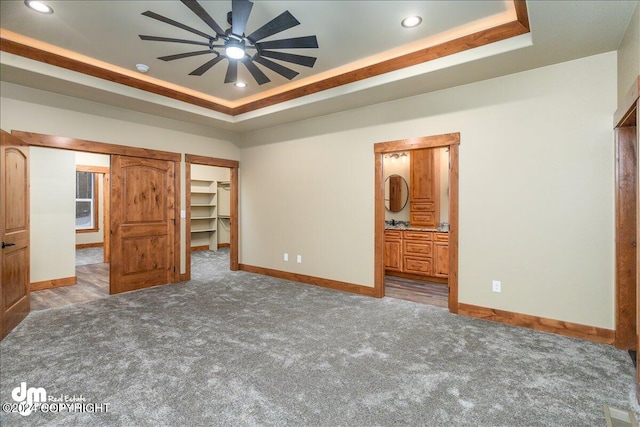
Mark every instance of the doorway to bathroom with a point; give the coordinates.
(416, 247)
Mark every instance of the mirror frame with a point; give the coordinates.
(406, 199)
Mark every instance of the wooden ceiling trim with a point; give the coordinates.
(31, 52)
(481, 38)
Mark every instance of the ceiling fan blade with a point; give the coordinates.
(232, 72)
(167, 39)
(240, 10)
(202, 14)
(294, 43)
(184, 55)
(206, 66)
(260, 77)
(282, 70)
(175, 24)
(282, 22)
(307, 61)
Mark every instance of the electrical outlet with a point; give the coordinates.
(286, 257)
(497, 286)
(299, 259)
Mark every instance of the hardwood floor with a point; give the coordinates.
(422, 292)
(93, 283)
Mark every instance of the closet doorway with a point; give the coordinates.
(211, 213)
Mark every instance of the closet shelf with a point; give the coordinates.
(202, 192)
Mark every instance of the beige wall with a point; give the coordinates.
(536, 189)
(91, 159)
(52, 213)
(107, 124)
(629, 55)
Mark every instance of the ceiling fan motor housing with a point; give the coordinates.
(236, 43)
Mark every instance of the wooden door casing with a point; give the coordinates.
(142, 223)
(14, 231)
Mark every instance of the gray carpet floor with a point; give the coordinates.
(236, 349)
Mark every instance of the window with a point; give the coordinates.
(86, 201)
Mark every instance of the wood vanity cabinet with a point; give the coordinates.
(393, 250)
(422, 253)
(441, 254)
(424, 189)
(417, 255)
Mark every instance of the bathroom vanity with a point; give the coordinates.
(416, 252)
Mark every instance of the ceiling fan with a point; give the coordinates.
(236, 46)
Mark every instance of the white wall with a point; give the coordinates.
(52, 210)
(629, 56)
(536, 189)
(41, 115)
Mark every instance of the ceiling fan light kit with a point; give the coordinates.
(236, 46)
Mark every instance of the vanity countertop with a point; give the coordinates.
(409, 228)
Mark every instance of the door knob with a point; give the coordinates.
(4, 245)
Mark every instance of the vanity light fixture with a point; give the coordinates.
(411, 21)
(240, 84)
(38, 6)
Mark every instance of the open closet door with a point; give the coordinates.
(142, 223)
(14, 231)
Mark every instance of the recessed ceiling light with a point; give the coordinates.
(142, 68)
(240, 84)
(38, 6)
(411, 21)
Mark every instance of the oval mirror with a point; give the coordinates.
(396, 193)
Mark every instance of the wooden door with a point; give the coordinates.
(14, 231)
(142, 223)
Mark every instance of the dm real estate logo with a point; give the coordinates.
(28, 398)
